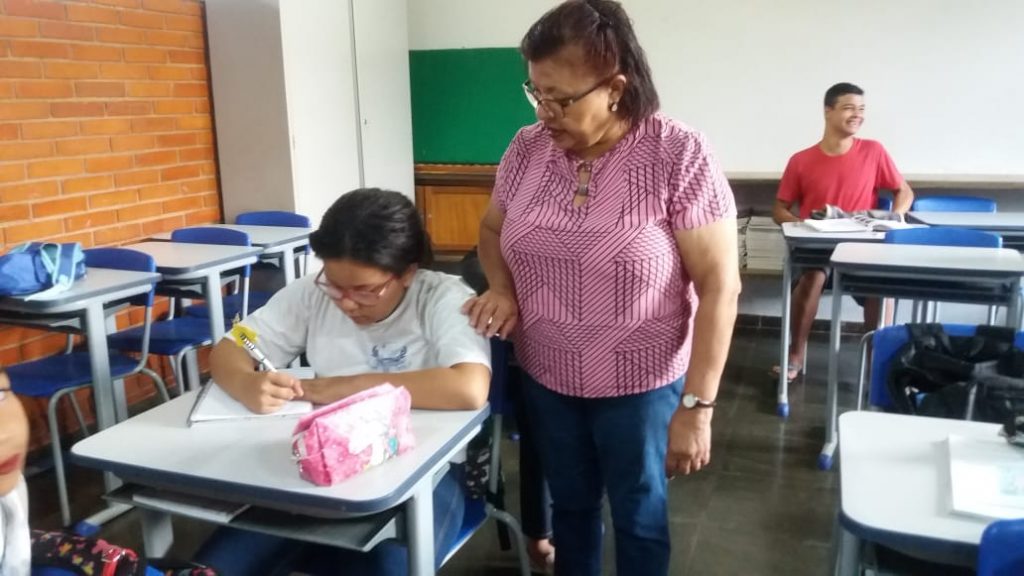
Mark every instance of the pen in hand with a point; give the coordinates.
(256, 353)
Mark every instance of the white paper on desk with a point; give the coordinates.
(987, 477)
(214, 404)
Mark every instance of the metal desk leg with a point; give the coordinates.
(288, 265)
(215, 305)
(846, 556)
(420, 528)
(787, 295)
(1013, 309)
(831, 400)
(157, 533)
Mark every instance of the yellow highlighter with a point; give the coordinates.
(246, 338)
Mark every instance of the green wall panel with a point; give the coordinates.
(466, 104)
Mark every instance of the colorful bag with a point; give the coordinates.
(39, 269)
(84, 555)
(342, 439)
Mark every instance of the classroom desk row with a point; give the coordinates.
(199, 265)
(862, 266)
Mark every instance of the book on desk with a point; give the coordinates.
(214, 404)
(856, 223)
(986, 477)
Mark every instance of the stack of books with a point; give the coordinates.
(741, 240)
(765, 246)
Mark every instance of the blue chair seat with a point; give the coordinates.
(473, 518)
(232, 305)
(45, 377)
(166, 338)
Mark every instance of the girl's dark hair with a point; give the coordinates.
(602, 29)
(379, 228)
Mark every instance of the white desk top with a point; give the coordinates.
(261, 236)
(251, 460)
(98, 283)
(800, 231)
(930, 259)
(177, 258)
(895, 474)
(1005, 221)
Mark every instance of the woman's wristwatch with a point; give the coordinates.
(694, 401)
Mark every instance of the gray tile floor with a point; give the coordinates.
(760, 508)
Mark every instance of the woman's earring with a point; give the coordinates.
(614, 106)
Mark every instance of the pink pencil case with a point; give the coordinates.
(342, 439)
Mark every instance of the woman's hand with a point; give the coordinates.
(493, 313)
(689, 441)
(266, 392)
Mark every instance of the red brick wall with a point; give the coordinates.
(105, 133)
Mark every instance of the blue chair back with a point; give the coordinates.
(123, 259)
(940, 236)
(273, 218)
(954, 204)
(887, 341)
(884, 203)
(213, 235)
(1002, 549)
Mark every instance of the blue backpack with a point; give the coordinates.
(40, 269)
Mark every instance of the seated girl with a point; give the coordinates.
(15, 541)
(370, 316)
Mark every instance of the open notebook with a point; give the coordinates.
(987, 477)
(858, 223)
(213, 403)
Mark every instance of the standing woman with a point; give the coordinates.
(610, 252)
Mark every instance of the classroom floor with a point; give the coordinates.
(760, 508)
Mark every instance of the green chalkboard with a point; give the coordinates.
(466, 104)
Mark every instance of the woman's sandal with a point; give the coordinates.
(791, 373)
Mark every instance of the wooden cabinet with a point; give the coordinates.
(452, 200)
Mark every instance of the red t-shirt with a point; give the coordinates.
(851, 181)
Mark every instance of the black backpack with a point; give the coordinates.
(978, 377)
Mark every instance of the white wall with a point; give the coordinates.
(382, 56)
(318, 75)
(943, 77)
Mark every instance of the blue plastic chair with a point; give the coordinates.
(1002, 549)
(953, 204)
(258, 299)
(178, 336)
(59, 376)
(885, 343)
(943, 236)
(478, 510)
(884, 203)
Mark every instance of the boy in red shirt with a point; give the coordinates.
(843, 171)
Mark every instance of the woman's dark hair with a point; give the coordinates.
(379, 228)
(605, 34)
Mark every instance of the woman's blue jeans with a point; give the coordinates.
(591, 445)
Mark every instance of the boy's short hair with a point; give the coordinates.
(842, 89)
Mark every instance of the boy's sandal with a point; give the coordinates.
(791, 374)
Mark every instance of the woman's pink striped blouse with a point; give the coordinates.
(606, 305)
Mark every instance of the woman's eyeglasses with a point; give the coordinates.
(5, 393)
(555, 107)
(366, 297)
